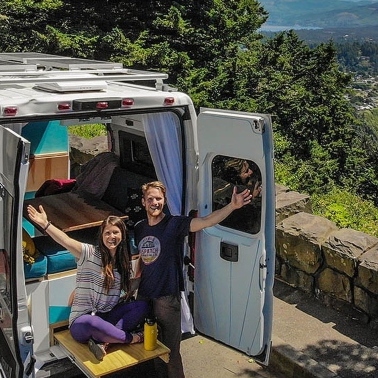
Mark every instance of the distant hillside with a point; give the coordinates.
(338, 35)
(321, 13)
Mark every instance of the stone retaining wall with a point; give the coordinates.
(338, 266)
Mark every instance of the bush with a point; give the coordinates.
(88, 131)
(347, 210)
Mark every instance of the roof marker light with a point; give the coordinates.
(10, 111)
(169, 101)
(64, 106)
(126, 102)
(102, 105)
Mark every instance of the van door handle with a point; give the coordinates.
(229, 252)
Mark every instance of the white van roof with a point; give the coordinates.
(36, 84)
(38, 67)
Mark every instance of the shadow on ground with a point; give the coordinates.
(348, 360)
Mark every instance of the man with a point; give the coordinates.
(160, 239)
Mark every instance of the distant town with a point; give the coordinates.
(357, 52)
(350, 24)
(365, 93)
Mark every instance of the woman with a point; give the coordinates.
(98, 316)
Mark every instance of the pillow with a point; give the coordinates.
(116, 193)
(55, 186)
(29, 251)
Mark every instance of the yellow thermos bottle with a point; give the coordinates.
(150, 334)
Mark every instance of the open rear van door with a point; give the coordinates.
(234, 261)
(15, 332)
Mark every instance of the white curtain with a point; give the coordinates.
(164, 142)
(163, 137)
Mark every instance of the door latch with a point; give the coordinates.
(229, 252)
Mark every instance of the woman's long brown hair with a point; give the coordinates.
(122, 257)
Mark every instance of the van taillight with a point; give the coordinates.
(169, 101)
(10, 111)
(64, 106)
(102, 105)
(126, 102)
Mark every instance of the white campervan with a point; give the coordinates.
(153, 132)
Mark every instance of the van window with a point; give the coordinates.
(135, 155)
(228, 172)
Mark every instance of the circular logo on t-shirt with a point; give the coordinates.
(149, 248)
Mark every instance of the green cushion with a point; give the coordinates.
(57, 257)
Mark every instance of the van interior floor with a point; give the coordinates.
(118, 356)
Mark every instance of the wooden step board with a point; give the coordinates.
(118, 356)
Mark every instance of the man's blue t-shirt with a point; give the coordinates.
(161, 251)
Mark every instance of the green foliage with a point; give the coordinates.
(88, 131)
(53, 40)
(313, 175)
(359, 57)
(17, 24)
(213, 50)
(370, 118)
(347, 210)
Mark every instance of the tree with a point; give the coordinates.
(212, 49)
(19, 20)
(305, 92)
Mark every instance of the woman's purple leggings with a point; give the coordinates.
(110, 327)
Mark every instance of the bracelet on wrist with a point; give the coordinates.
(47, 226)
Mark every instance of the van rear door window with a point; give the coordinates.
(228, 172)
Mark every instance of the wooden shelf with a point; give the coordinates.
(70, 211)
(118, 357)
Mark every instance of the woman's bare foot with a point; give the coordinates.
(138, 337)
